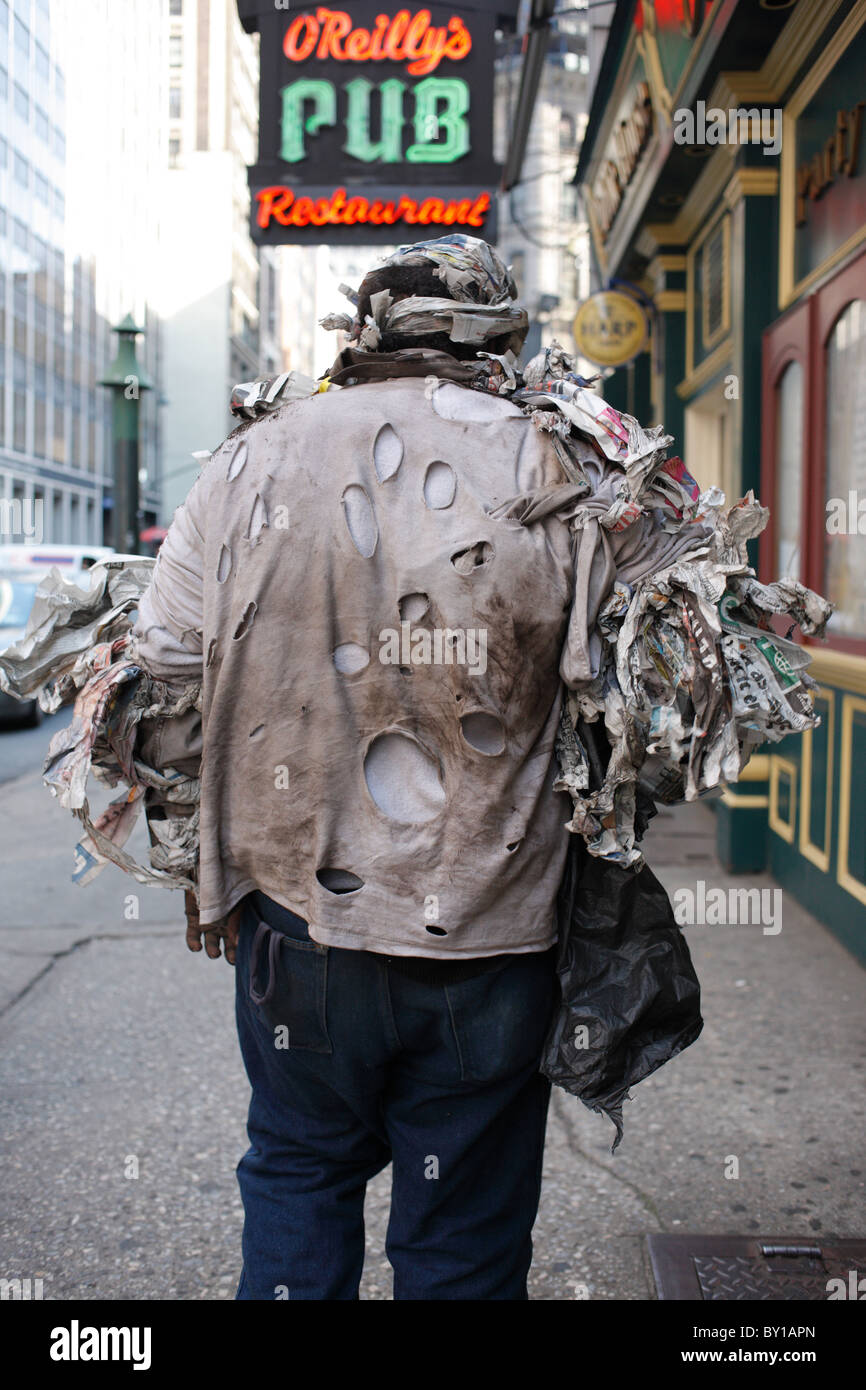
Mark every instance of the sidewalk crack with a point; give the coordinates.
(559, 1108)
(55, 956)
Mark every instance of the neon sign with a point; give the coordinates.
(407, 38)
(373, 120)
(441, 105)
(341, 209)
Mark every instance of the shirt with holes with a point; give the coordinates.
(380, 662)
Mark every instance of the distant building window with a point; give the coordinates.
(43, 67)
(59, 84)
(175, 50)
(22, 170)
(19, 406)
(59, 204)
(4, 153)
(22, 38)
(176, 7)
(40, 121)
(4, 84)
(174, 103)
(39, 427)
(42, 189)
(22, 102)
(59, 143)
(173, 151)
(20, 234)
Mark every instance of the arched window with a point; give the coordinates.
(845, 481)
(789, 472)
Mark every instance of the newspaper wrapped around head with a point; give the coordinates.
(477, 303)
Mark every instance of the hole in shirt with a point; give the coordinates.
(339, 880)
(360, 519)
(403, 779)
(515, 844)
(224, 565)
(483, 732)
(405, 670)
(259, 729)
(237, 460)
(246, 622)
(440, 485)
(413, 607)
(387, 453)
(473, 557)
(437, 931)
(258, 519)
(454, 402)
(350, 657)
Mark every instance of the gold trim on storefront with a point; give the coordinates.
(710, 367)
(724, 330)
(818, 73)
(815, 853)
(782, 767)
(855, 886)
(838, 668)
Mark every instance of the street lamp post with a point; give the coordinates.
(126, 379)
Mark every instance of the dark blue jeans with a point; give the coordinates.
(354, 1064)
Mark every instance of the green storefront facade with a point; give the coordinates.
(738, 214)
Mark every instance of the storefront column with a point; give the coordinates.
(667, 274)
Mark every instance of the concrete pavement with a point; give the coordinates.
(118, 1056)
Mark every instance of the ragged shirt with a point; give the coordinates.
(380, 661)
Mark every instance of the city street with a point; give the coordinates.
(123, 1097)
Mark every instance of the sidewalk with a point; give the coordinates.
(117, 1044)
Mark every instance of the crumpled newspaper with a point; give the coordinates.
(421, 315)
(480, 303)
(250, 399)
(76, 647)
(65, 623)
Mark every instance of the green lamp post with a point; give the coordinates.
(126, 379)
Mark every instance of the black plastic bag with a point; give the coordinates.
(630, 995)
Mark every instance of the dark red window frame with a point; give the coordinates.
(801, 335)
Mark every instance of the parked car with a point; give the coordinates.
(22, 568)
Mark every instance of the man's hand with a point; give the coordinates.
(213, 933)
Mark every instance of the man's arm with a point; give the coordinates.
(167, 643)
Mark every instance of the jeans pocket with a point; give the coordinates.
(500, 1019)
(288, 984)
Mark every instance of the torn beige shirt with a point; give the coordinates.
(380, 661)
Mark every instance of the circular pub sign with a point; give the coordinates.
(610, 328)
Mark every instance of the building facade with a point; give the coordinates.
(542, 232)
(219, 295)
(724, 177)
(77, 232)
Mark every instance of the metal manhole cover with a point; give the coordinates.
(736, 1269)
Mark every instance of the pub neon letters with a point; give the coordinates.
(430, 119)
(405, 38)
(440, 104)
